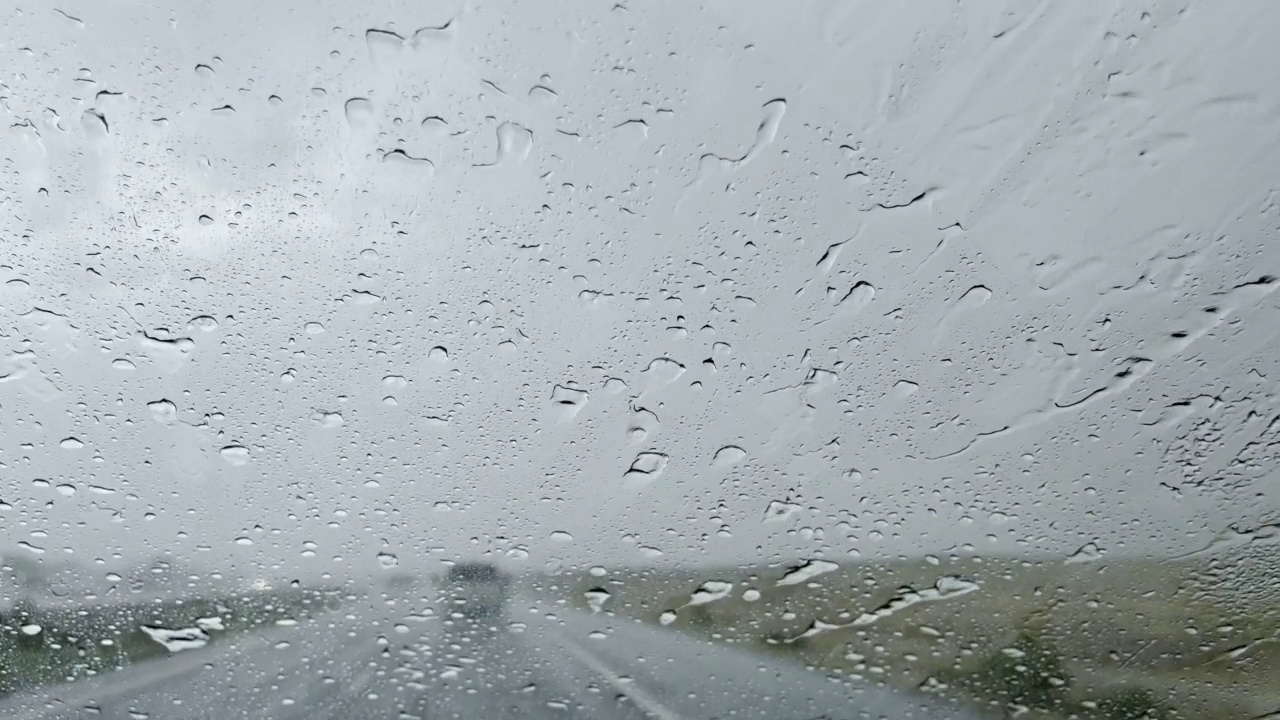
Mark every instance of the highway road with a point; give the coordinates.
(391, 661)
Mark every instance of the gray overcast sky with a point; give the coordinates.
(292, 284)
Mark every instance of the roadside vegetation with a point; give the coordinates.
(43, 646)
(1103, 640)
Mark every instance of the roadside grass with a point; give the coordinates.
(77, 643)
(1107, 640)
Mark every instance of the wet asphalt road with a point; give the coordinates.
(372, 663)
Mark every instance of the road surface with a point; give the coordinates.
(391, 662)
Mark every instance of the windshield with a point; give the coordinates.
(650, 360)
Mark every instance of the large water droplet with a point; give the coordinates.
(728, 456)
(647, 467)
(710, 591)
(327, 419)
(661, 372)
(780, 510)
(1089, 552)
(596, 598)
(807, 571)
(177, 640)
(204, 323)
(359, 112)
(210, 623)
(235, 454)
(163, 411)
(169, 354)
(568, 402)
(515, 142)
(947, 587)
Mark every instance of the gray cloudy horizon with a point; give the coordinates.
(288, 291)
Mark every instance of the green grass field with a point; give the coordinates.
(1115, 640)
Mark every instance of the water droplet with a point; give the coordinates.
(403, 159)
(177, 640)
(858, 297)
(807, 571)
(596, 598)
(973, 298)
(168, 353)
(904, 388)
(568, 402)
(667, 617)
(647, 467)
(643, 424)
(395, 382)
(1089, 552)
(122, 364)
(66, 489)
(204, 323)
(728, 456)
(386, 560)
(313, 328)
(434, 127)
(947, 587)
(515, 142)
(438, 354)
(163, 411)
(561, 536)
(751, 595)
(779, 511)
(31, 630)
(710, 591)
(235, 454)
(210, 623)
(542, 95)
(327, 419)
(359, 112)
(660, 372)
(71, 443)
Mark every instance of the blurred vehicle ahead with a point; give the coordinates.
(476, 590)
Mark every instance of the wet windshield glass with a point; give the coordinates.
(651, 360)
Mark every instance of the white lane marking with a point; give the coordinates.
(642, 699)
